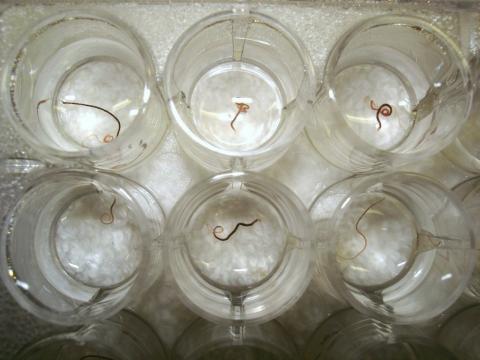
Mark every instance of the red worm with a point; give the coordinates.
(219, 229)
(384, 110)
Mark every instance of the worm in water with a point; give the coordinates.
(219, 229)
(242, 108)
(357, 228)
(107, 218)
(384, 110)
(107, 138)
(119, 125)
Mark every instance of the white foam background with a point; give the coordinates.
(168, 172)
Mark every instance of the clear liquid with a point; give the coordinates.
(108, 84)
(214, 105)
(376, 76)
(376, 241)
(80, 249)
(93, 71)
(96, 240)
(374, 87)
(252, 252)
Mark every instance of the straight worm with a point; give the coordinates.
(242, 108)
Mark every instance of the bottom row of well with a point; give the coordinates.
(345, 335)
(79, 246)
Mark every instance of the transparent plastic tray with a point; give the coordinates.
(168, 172)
